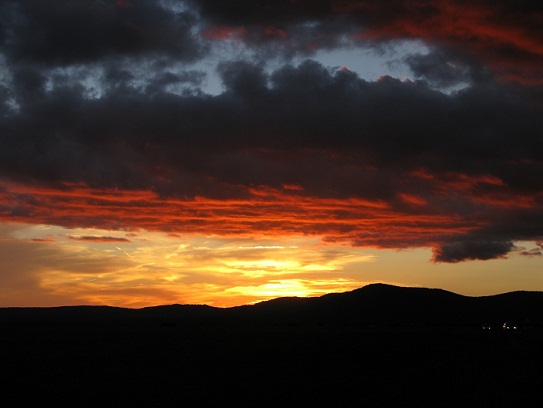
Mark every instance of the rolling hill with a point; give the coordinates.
(373, 305)
(376, 346)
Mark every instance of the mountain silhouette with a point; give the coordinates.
(372, 305)
(385, 305)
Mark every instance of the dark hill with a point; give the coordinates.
(362, 348)
(385, 305)
(373, 305)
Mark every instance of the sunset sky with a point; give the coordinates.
(227, 152)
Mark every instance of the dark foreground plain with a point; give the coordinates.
(86, 359)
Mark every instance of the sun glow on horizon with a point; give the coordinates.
(137, 269)
(55, 266)
(296, 288)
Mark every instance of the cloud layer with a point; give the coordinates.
(103, 122)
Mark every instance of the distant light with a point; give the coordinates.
(509, 326)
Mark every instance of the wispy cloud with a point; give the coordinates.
(93, 238)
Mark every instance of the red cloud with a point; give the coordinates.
(509, 42)
(414, 200)
(267, 212)
(457, 214)
(274, 31)
(293, 187)
(217, 32)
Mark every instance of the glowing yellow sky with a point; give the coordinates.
(49, 266)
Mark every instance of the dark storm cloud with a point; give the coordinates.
(57, 32)
(243, 79)
(5, 94)
(241, 12)
(498, 34)
(496, 239)
(503, 37)
(168, 79)
(28, 84)
(400, 125)
(443, 68)
(472, 250)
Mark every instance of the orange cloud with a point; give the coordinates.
(267, 212)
